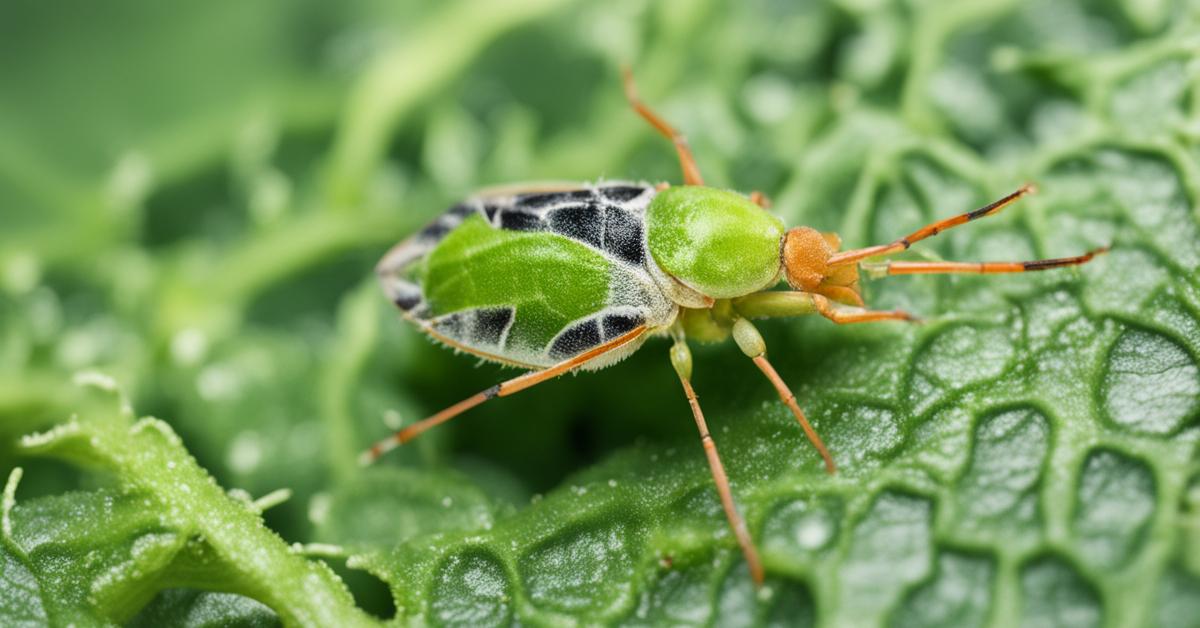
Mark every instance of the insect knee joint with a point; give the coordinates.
(748, 339)
(681, 359)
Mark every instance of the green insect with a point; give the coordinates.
(554, 278)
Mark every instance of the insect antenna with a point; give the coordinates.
(884, 269)
(930, 230)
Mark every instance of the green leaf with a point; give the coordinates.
(192, 201)
(1019, 459)
(386, 506)
(166, 524)
(133, 544)
(201, 609)
(21, 599)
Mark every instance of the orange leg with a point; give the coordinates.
(789, 399)
(930, 230)
(977, 268)
(691, 173)
(503, 389)
(681, 359)
(760, 199)
(751, 343)
(844, 315)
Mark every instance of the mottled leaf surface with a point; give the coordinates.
(191, 202)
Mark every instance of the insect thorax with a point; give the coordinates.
(718, 242)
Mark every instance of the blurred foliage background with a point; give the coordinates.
(193, 195)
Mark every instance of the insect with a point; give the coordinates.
(564, 277)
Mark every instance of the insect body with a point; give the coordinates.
(560, 277)
(531, 279)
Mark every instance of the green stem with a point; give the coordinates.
(357, 332)
(148, 456)
(402, 77)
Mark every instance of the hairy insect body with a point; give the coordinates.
(531, 279)
(717, 242)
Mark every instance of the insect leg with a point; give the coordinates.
(779, 304)
(883, 269)
(751, 343)
(691, 173)
(503, 389)
(843, 315)
(681, 359)
(930, 230)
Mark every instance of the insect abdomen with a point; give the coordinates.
(531, 278)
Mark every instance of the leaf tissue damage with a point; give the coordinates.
(196, 225)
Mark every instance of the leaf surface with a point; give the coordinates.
(199, 220)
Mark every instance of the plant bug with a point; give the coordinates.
(561, 277)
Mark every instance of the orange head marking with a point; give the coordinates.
(806, 254)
